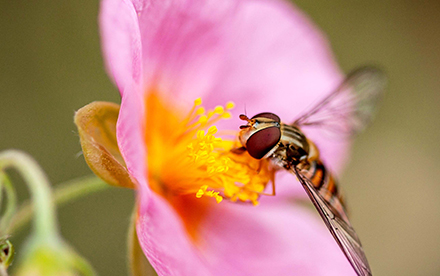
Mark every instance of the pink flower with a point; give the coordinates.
(262, 55)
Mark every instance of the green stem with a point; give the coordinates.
(38, 184)
(11, 203)
(64, 192)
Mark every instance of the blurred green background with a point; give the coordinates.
(51, 65)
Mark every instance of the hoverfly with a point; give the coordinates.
(344, 112)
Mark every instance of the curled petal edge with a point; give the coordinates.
(96, 124)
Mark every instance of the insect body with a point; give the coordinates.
(344, 113)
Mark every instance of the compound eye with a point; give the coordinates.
(268, 115)
(262, 141)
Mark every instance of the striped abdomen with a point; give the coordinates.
(325, 184)
(295, 149)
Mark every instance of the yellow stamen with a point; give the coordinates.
(197, 101)
(200, 111)
(226, 115)
(203, 119)
(230, 105)
(219, 110)
(185, 157)
(203, 192)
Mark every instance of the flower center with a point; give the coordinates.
(188, 155)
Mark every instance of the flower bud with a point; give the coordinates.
(53, 258)
(6, 254)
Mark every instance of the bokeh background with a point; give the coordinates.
(51, 65)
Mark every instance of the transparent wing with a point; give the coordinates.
(339, 227)
(348, 110)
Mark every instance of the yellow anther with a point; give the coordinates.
(218, 199)
(201, 191)
(197, 101)
(226, 115)
(211, 159)
(209, 138)
(210, 170)
(203, 119)
(200, 111)
(212, 130)
(200, 134)
(219, 109)
(213, 166)
(195, 157)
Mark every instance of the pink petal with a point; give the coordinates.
(240, 240)
(263, 55)
(271, 240)
(164, 239)
(130, 133)
(121, 42)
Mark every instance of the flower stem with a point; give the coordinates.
(11, 203)
(63, 193)
(38, 184)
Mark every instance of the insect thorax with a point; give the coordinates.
(292, 149)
